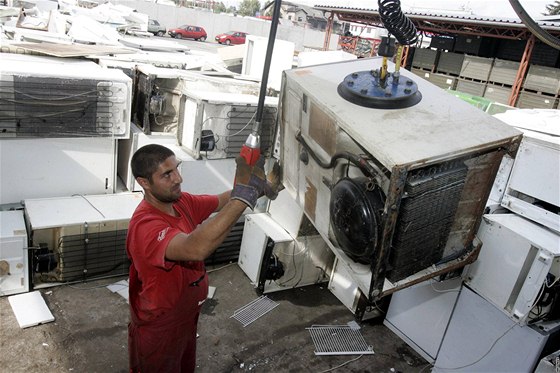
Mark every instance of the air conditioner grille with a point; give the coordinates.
(425, 219)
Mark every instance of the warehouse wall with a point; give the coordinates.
(487, 67)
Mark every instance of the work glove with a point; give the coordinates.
(250, 182)
(274, 183)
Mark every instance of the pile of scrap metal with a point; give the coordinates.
(87, 29)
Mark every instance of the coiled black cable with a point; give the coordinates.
(396, 22)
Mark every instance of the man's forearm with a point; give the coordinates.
(204, 240)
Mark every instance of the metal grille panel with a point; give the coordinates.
(238, 130)
(338, 340)
(87, 256)
(55, 107)
(425, 218)
(252, 311)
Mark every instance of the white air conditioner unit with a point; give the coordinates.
(395, 183)
(14, 266)
(60, 97)
(215, 125)
(79, 238)
(160, 94)
(518, 268)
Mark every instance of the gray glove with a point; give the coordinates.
(250, 182)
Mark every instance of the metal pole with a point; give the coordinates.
(522, 70)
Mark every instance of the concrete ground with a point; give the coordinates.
(89, 333)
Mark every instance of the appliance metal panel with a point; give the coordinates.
(512, 265)
(42, 168)
(14, 276)
(482, 339)
(420, 314)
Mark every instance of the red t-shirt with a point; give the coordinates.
(162, 282)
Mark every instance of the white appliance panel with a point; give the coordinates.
(14, 265)
(43, 168)
(480, 338)
(515, 258)
(420, 314)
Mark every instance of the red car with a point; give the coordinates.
(231, 37)
(188, 32)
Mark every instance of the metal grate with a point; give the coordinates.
(338, 340)
(252, 311)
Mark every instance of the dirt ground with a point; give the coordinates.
(89, 333)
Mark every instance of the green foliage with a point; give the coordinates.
(553, 9)
(249, 7)
(220, 8)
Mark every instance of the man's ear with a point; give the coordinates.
(144, 183)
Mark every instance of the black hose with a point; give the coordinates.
(396, 22)
(267, 59)
(360, 162)
(535, 29)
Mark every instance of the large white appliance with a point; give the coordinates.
(59, 97)
(533, 177)
(215, 125)
(14, 267)
(56, 167)
(79, 238)
(395, 184)
(480, 338)
(518, 267)
(281, 250)
(254, 58)
(159, 101)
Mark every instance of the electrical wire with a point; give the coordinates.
(341, 365)
(222, 267)
(483, 356)
(91, 204)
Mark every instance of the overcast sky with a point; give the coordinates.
(497, 8)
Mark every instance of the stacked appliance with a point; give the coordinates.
(78, 238)
(59, 123)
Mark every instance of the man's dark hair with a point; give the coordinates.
(147, 159)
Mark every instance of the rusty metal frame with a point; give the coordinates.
(523, 65)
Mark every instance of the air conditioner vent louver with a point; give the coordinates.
(427, 211)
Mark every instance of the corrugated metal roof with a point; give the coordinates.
(487, 20)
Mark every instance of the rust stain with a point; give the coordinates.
(302, 72)
(322, 129)
(310, 199)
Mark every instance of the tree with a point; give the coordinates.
(249, 7)
(553, 9)
(220, 8)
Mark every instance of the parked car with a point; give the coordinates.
(156, 28)
(188, 32)
(231, 37)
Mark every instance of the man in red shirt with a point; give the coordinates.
(169, 236)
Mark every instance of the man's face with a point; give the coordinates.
(165, 185)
